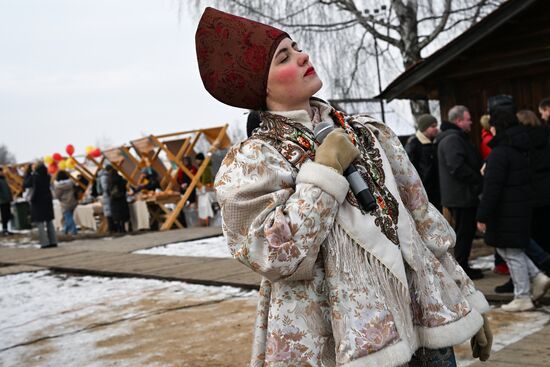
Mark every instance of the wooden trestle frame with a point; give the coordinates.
(13, 178)
(176, 149)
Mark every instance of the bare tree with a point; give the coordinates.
(342, 34)
(5, 156)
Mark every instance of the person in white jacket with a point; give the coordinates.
(342, 286)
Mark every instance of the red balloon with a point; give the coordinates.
(52, 168)
(57, 157)
(96, 153)
(70, 149)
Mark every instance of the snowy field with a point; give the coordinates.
(75, 313)
(208, 247)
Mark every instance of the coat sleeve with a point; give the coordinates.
(274, 219)
(494, 180)
(454, 159)
(436, 233)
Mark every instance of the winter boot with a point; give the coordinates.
(518, 304)
(539, 286)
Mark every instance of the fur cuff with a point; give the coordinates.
(478, 302)
(397, 354)
(452, 333)
(326, 178)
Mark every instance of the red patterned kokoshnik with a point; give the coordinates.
(234, 55)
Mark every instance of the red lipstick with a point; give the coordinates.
(309, 71)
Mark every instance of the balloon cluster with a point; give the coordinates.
(57, 162)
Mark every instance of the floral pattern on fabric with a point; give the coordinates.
(434, 230)
(311, 312)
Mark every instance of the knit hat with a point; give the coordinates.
(234, 55)
(425, 121)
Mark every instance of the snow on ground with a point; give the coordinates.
(483, 262)
(208, 247)
(64, 308)
(508, 328)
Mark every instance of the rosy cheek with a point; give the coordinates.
(286, 74)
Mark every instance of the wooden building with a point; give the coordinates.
(507, 52)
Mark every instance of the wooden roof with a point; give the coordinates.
(513, 39)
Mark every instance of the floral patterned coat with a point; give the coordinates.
(341, 287)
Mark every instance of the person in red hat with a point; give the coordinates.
(342, 284)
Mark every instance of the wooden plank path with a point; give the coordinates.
(113, 257)
(533, 350)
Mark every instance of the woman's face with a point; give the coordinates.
(292, 79)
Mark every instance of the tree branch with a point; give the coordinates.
(439, 28)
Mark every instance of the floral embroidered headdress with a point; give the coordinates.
(234, 55)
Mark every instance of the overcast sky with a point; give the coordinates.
(98, 71)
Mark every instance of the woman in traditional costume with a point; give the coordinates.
(341, 286)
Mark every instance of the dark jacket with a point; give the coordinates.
(117, 193)
(424, 159)
(41, 198)
(459, 163)
(504, 205)
(5, 191)
(539, 164)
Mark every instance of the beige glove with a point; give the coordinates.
(481, 342)
(336, 151)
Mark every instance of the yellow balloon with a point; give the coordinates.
(70, 163)
(62, 165)
(48, 159)
(89, 148)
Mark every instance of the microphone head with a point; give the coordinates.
(322, 130)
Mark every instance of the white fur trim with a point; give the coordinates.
(326, 178)
(478, 302)
(450, 334)
(394, 355)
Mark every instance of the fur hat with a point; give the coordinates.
(425, 121)
(234, 55)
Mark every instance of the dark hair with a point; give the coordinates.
(545, 103)
(41, 169)
(199, 156)
(253, 121)
(62, 175)
(503, 118)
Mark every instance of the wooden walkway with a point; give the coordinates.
(113, 257)
(533, 350)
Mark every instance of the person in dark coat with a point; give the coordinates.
(539, 173)
(42, 206)
(504, 210)
(5, 202)
(120, 211)
(423, 155)
(459, 164)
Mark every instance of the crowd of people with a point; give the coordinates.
(499, 190)
(110, 187)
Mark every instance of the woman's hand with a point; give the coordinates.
(481, 342)
(337, 151)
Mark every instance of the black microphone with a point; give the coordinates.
(358, 186)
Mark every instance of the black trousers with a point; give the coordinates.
(465, 229)
(540, 226)
(5, 211)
